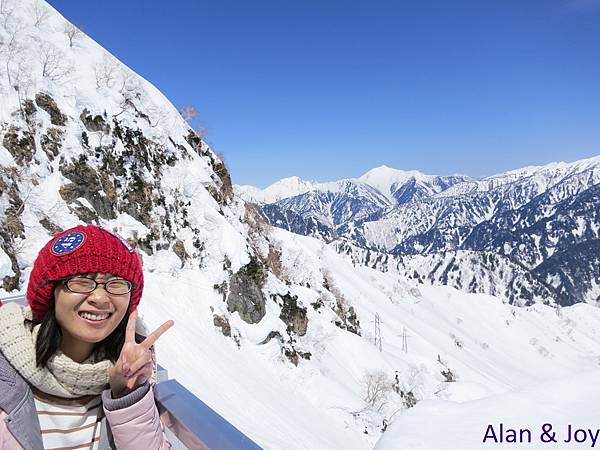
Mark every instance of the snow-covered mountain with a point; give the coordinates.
(295, 344)
(405, 186)
(527, 215)
(317, 209)
(284, 188)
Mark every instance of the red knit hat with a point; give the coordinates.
(83, 249)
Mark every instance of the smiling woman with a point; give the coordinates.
(72, 374)
(88, 315)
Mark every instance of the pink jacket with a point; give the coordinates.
(131, 422)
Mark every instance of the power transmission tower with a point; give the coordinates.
(404, 341)
(377, 331)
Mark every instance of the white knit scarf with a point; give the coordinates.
(61, 376)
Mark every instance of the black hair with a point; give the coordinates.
(50, 335)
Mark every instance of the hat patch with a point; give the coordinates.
(68, 243)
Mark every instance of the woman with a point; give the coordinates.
(71, 372)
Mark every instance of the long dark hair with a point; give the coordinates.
(49, 338)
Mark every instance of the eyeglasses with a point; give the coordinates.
(84, 285)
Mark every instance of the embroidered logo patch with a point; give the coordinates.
(68, 243)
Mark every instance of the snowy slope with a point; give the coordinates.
(491, 348)
(569, 405)
(478, 272)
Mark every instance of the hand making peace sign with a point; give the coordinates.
(134, 366)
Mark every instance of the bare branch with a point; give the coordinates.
(130, 84)
(40, 13)
(188, 112)
(53, 60)
(106, 73)
(7, 9)
(377, 386)
(12, 49)
(73, 33)
(157, 115)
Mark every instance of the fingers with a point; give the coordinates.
(153, 337)
(140, 362)
(128, 374)
(139, 377)
(130, 330)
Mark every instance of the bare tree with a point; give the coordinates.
(106, 73)
(73, 33)
(191, 116)
(201, 130)
(40, 13)
(7, 8)
(377, 386)
(12, 49)
(188, 112)
(23, 80)
(409, 385)
(18, 70)
(157, 115)
(53, 60)
(130, 84)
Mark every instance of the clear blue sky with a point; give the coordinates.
(329, 89)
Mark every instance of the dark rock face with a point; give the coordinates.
(179, 250)
(245, 293)
(50, 226)
(51, 142)
(138, 199)
(11, 227)
(293, 315)
(294, 355)
(20, 144)
(10, 283)
(348, 320)
(85, 183)
(352, 322)
(224, 193)
(48, 104)
(29, 109)
(273, 335)
(226, 186)
(94, 123)
(222, 323)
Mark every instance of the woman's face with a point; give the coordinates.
(89, 318)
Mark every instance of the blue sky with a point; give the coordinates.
(330, 89)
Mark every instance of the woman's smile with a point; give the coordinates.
(87, 318)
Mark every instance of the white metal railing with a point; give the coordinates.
(190, 423)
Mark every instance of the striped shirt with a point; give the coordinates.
(69, 423)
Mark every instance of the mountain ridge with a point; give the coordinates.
(431, 214)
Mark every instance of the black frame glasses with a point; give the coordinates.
(86, 285)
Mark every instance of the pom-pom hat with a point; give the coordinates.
(80, 250)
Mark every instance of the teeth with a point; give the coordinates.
(89, 316)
